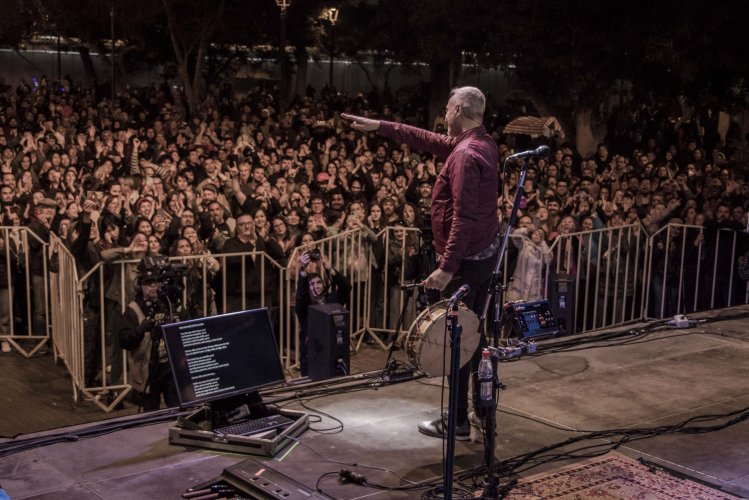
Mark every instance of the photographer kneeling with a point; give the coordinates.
(156, 302)
(312, 289)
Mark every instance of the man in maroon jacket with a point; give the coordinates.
(464, 218)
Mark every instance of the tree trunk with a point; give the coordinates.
(586, 137)
(366, 72)
(386, 78)
(190, 50)
(190, 93)
(88, 65)
(439, 88)
(300, 86)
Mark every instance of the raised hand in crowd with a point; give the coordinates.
(627, 204)
(99, 147)
(304, 260)
(343, 179)
(431, 168)
(420, 171)
(320, 223)
(326, 264)
(138, 245)
(673, 204)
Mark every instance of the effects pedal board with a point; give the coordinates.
(532, 320)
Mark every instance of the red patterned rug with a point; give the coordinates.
(612, 476)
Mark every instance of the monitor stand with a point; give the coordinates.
(236, 408)
(196, 429)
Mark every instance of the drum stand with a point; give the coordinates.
(496, 294)
(397, 334)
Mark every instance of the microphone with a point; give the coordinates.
(531, 153)
(411, 286)
(462, 292)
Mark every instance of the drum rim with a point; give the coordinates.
(416, 334)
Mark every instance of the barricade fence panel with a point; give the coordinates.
(607, 271)
(349, 253)
(617, 275)
(401, 257)
(694, 268)
(24, 290)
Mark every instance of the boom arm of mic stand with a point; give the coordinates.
(495, 287)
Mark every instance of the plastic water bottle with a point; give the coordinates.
(486, 380)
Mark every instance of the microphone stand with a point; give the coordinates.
(496, 293)
(455, 332)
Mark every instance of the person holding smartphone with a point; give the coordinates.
(330, 287)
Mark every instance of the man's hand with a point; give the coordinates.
(360, 123)
(438, 280)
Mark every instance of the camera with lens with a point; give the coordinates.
(158, 268)
(314, 254)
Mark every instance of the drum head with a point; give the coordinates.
(432, 354)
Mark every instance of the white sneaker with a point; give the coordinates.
(5, 346)
(436, 428)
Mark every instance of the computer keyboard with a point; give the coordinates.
(248, 427)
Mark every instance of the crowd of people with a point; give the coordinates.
(140, 175)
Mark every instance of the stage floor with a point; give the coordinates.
(652, 380)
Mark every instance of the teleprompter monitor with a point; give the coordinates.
(218, 357)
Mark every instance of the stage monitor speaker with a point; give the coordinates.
(562, 301)
(328, 341)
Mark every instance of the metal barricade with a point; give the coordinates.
(694, 268)
(83, 320)
(608, 270)
(399, 247)
(262, 284)
(24, 321)
(619, 275)
(86, 316)
(66, 313)
(349, 253)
